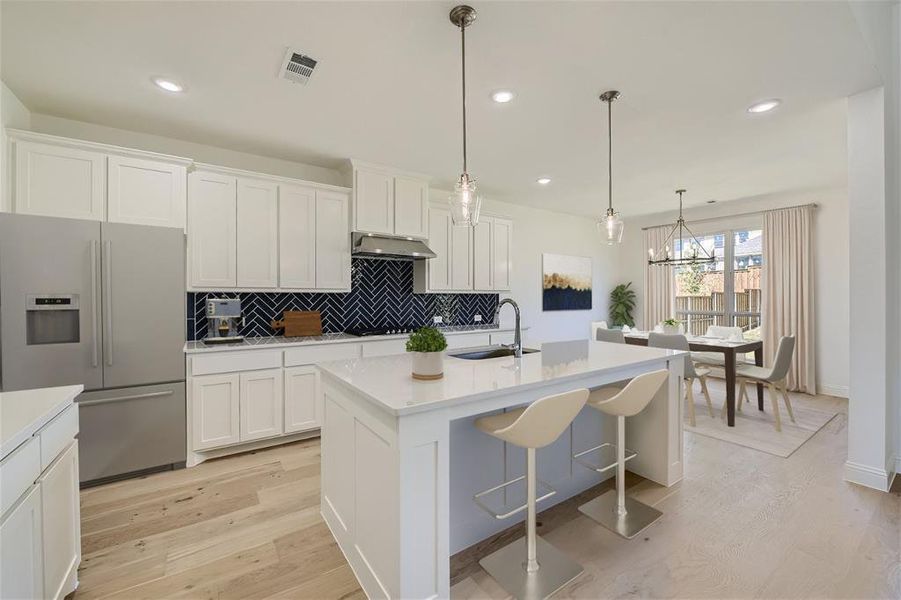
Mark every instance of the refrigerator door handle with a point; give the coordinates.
(124, 398)
(95, 317)
(108, 302)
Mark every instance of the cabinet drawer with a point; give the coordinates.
(468, 340)
(230, 362)
(57, 434)
(18, 472)
(307, 355)
(384, 347)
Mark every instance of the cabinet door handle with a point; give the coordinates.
(95, 317)
(108, 284)
(124, 398)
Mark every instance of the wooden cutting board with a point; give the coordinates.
(298, 323)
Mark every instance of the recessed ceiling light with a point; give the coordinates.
(765, 106)
(502, 96)
(168, 85)
(543, 180)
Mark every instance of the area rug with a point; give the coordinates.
(753, 428)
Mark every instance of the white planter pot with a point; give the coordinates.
(428, 365)
(670, 329)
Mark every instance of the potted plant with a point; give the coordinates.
(670, 326)
(427, 345)
(622, 303)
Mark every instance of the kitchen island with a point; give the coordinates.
(401, 459)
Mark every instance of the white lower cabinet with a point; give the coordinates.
(214, 411)
(21, 551)
(60, 523)
(303, 408)
(261, 404)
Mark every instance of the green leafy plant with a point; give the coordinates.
(671, 322)
(622, 303)
(426, 339)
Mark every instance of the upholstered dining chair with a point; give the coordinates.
(774, 377)
(677, 341)
(610, 335)
(595, 325)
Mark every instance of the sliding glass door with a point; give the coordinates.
(727, 291)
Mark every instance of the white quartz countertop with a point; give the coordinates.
(386, 380)
(24, 413)
(328, 338)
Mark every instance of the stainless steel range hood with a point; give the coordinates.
(382, 246)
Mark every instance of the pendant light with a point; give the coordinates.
(691, 251)
(465, 203)
(610, 225)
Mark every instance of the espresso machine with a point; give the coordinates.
(224, 321)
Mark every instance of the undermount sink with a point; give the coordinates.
(488, 352)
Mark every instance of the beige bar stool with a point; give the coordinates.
(530, 567)
(612, 509)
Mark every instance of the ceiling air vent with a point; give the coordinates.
(297, 67)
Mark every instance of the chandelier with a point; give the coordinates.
(691, 251)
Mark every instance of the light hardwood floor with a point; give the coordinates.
(742, 524)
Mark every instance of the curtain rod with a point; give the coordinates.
(735, 216)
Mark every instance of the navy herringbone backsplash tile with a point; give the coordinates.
(381, 296)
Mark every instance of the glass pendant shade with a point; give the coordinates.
(611, 227)
(465, 203)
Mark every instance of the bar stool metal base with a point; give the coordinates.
(637, 518)
(507, 567)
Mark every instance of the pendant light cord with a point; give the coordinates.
(463, 56)
(609, 155)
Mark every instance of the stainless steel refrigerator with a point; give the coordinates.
(101, 304)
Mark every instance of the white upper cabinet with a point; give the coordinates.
(212, 236)
(332, 241)
(411, 207)
(492, 243)
(461, 258)
(373, 202)
(59, 181)
(146, 192)
(439, 268)
(257, 227)
(389, 201)
(61, 177)
(297, 237)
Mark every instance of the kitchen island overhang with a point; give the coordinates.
(400, 459)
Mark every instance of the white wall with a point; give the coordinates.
(830, 269)
(198, 152)
(12, 114)
(535, 232)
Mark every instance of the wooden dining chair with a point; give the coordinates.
(775, 378)
(677, 341)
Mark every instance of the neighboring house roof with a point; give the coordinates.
(750, 247)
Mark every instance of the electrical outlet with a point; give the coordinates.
(477, 318)
(437, 320)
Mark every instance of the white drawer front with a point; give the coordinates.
(468, 340)
(18, 472)
(384, 348)
(307, 355)
(230, 362)
(58, 434)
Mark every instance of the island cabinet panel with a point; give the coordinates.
(21, 550)
(338, 489)
(257, 227)
(61, 523)
(261, 404)
(303, 410)
(215, 410)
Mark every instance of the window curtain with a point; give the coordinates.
(658, 282)
(787, 307)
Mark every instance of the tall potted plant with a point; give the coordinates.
(427, 345)
(622, 303)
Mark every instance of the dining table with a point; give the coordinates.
(730, 349)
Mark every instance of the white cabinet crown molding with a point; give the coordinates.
(234, 172)
(354, 163)
(46, 138)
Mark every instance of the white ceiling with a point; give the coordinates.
(387, 88)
